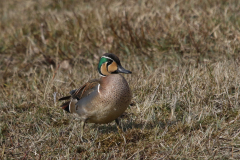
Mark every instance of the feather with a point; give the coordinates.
(65, 106)
(65, 98)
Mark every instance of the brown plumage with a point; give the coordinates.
(101, 100)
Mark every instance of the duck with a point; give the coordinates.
(103, 100)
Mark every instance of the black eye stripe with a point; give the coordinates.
(109, 62)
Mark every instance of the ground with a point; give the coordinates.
(185, 60)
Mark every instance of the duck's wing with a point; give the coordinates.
(79, 93)
(85, 90)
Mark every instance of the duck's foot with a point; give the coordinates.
(120, 131)
(124, 139)
(82, 127)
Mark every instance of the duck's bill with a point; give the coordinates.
(122, 70)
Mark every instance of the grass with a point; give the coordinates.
(184, 56)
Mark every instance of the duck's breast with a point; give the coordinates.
(112, 99)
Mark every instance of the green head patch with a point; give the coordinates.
(101, 62)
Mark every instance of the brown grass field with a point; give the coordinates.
(185, 59)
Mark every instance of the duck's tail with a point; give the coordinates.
(70, 105)
(66, 106)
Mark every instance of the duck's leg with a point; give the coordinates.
(120, 130)
(82, 127)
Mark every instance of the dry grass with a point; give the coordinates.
(185, 61)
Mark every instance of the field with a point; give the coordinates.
(185, 59)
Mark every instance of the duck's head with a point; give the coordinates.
(110, 64)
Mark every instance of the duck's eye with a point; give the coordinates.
(112, 67)
(109, 63)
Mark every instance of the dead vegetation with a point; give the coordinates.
(184, 56)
